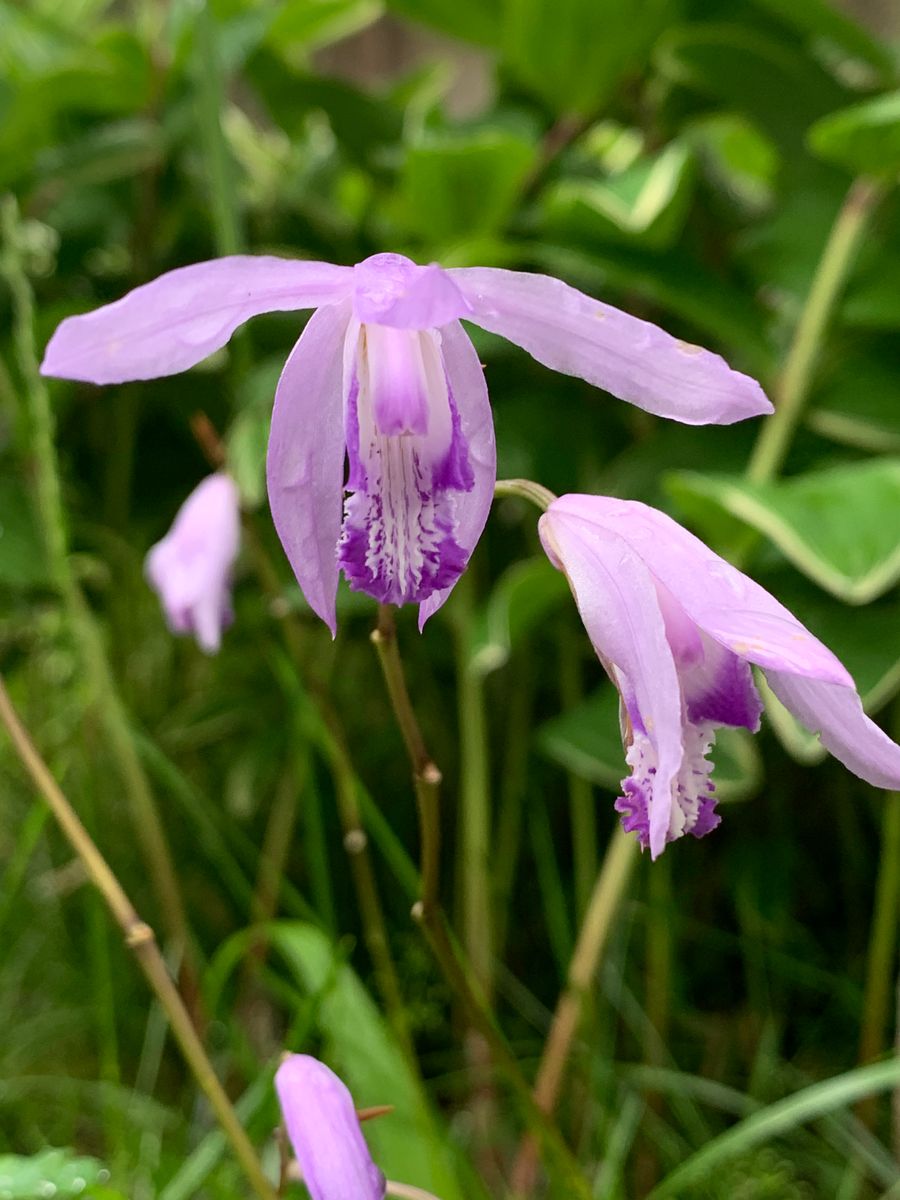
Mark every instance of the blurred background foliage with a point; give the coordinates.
(685, 159)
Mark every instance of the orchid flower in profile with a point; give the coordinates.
(384, 375)
(676, 628)
(191, 567)
(324, 1131)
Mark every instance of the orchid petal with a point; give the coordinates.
(305, 463)
(389, 289)
(720, 599)
(836, 714)
(180, 318)
(617, 599)
(465, 378)
(633, 359)
(324, 1130)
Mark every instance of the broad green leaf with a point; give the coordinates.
(587, 741)
(56, 1173)
(523, 595)
(573, 53)
(476, 21)
(764, 77)
(859, 405)
(839, 527)
(647, 202)
(407, 1144)
(873, 300)
(738, 157)
(865, 138)
(308, 24)
(460, 185)
(824, 22)
(776, 1120)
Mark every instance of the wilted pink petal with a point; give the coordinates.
(654, 599)
(324, 1130)
(191, 567)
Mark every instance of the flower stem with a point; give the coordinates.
(881, 964)
(428, 912)
(140, 939)
(609, 890)
(525, 489)
(426, 775)
(104, 695)
(795, 380)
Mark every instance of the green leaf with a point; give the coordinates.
(737, 156)
(824, 22)
(56, 1173)
(574, 53)
(762, 76)
(864, 139)
(463, 185)
(587, 741)
(839, 527)
(776, 1120)
(309, 24)
(859, 405)
(523, 595)
(407, 1144)
(648, 202)
(472, 20)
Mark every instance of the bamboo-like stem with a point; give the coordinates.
(105, 697)
(796, 378)
(609, 889)
(426, 775)
(140, 939)
(430, 915)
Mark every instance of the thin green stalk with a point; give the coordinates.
(795, 381)
(474, 800)
(525, 489)
(582, 809)
(139, 938)
(609, 891)
(104, 695)
(881, 967)
(210, 98)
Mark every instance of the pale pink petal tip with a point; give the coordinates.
(324, 1131)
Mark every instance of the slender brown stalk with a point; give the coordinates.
(426, 775)
(140, 939)
(430, 915)
(593, 937)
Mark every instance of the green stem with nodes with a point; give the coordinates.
(796, 378)
(104, 695)
(606, 898)
(139, 938)
(428, 912)
(426, 776)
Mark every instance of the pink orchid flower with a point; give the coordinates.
(384, 376)
(191, 567)
(676, 628)
(324, 1131)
